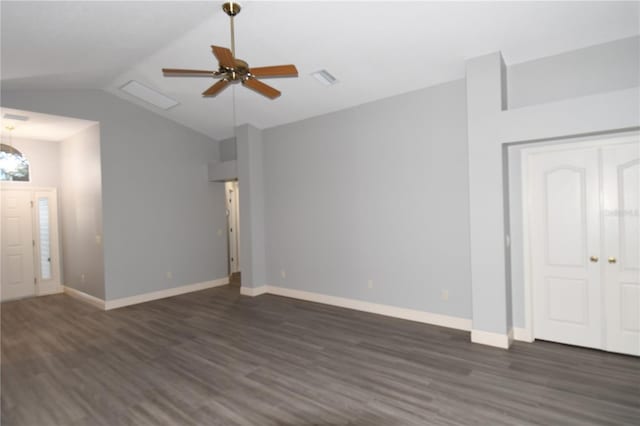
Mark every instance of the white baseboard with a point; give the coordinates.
(497, 340)
(477, 336)
(161, 294)
(146, 297)
(374, 308)
(80, 295)
(253, 291)
(47, 290)
(522, 335)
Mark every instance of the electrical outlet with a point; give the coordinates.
(220, 231)
(169, 275)
(283, 273)
(82, 278)
(98, 239)
(370, 283)
(444, 295)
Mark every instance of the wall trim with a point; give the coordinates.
(87, 298)
(374, 308)
(488, 338)
(145, 297)
(254, 291)
(477, 336)
(162, 294)
(55, 289)
(522, 334)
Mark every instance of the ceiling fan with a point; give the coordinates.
(233, 70)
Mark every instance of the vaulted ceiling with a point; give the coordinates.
(374, 49)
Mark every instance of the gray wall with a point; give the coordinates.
(379, 191)
(80, 212)
(375, 192)
(228, 150)
(44, 167)
(596, 69)
(160, 214)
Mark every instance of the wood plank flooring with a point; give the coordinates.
(217, 358)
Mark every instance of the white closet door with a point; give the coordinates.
(564, 235)
(621, 256)
(17, 245)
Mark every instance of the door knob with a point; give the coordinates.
(594, 259)
(612, 260)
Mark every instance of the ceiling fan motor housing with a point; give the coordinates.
(238, 73)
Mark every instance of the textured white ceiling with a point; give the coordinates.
(41, 127)
(375, 49)
(84, 44)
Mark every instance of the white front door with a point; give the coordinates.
(621, 255)
(18, 275)
(565, 247)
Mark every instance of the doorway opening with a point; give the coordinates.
(50, 205)
(232, 203)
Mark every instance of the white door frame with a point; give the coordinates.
(526, 204)
(54, 285)
(233, 222)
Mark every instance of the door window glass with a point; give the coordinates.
(13, 165)
(45, 238)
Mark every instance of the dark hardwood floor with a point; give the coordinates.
(216, 358)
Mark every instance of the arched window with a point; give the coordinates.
(13, 165)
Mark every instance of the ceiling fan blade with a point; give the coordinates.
(180, 72)
(275, 71)
(260, 87)
(216, 88)
(224, 56)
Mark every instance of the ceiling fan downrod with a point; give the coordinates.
(232, 9)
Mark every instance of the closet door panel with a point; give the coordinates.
(621, 219)
(565, 234)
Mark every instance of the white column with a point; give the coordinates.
(251, 190)
(486, 99)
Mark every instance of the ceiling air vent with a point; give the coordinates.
(148, 95)
(9, 116)
(324, 77)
